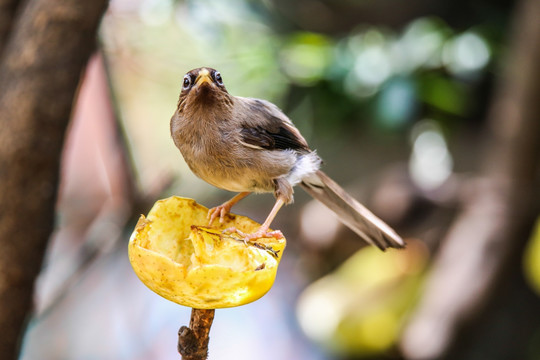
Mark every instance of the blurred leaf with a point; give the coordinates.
(531, 261)
(306, 56)
(396, 103)
(360, 308)
(443, 93)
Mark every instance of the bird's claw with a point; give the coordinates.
(261, 233)
(221, 211)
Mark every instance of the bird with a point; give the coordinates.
(249, 145)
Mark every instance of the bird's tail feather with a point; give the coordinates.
(353, 214)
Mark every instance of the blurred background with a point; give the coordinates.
(421, 109)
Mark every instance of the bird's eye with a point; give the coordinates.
(217, 77)
(187, 82)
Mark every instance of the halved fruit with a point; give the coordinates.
(176, 255)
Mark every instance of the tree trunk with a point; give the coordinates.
(480, 259)
(43, 53)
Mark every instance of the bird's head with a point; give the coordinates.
(202, 87)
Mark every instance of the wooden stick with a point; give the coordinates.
(193, 340)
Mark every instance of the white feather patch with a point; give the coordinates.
(305, 166)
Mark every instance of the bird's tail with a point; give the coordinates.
(353, 214)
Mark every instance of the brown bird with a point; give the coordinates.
(249, 145)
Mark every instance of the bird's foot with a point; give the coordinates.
(221, 211)
(260, 233)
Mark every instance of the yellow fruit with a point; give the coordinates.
(176, 255)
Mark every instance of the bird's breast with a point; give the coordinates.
(220, 165)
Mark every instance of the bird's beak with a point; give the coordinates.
(203, 77)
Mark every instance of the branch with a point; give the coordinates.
(494, 226)
(193, 341)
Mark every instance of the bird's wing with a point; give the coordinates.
(268, 128)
